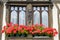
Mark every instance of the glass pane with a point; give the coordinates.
(22, 18)
(34, 8)
(38, 8)
(45, 18)
(20, 8)
(14, 17)
(24, 8)
(42, 8)
(36, 17)
(46, 8)
(16, 8)
(12, 8)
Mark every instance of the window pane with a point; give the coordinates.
(42, 8)
(46, 8)
(38, 8)
(20, 8)
(22, 18)
(34, 8)
(12, 8)
(24, 8)
(14, 17)
(16, 8)
(36, 17)
(45, 18)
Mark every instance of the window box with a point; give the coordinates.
(34, 31)
(30, 38)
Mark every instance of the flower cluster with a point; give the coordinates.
(35, 30)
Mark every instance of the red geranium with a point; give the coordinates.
(2, 31)
(31, 29)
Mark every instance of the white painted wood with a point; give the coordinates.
(4, 20)
(55, 20)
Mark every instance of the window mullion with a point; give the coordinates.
(18, 15)
(10, 14)
(40, 16)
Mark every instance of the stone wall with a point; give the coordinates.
(1, 13)
(25, 0)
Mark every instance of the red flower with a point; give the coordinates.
(15, 31)
(22, 31)
(16, 25)
(9, 24)
(2, 31)
(32, 33)
(38, 30)
(8, 31)
(49, 32)
(19, 28)
(41, 25)
(22, 26)
(27, 29)
(36, 25)
(30, 29)
(4, 27)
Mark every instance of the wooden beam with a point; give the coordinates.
(27, 2)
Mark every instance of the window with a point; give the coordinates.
(45, 16)
(40, 15)
(14, 15)
(19, 14)
(22, 15)
(36, 14)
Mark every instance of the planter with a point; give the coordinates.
(41, 35)
(24, 35)
(30, 38)
(21, 32)
(17, 35)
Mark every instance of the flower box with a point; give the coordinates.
(30, 38)
(33, 32)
